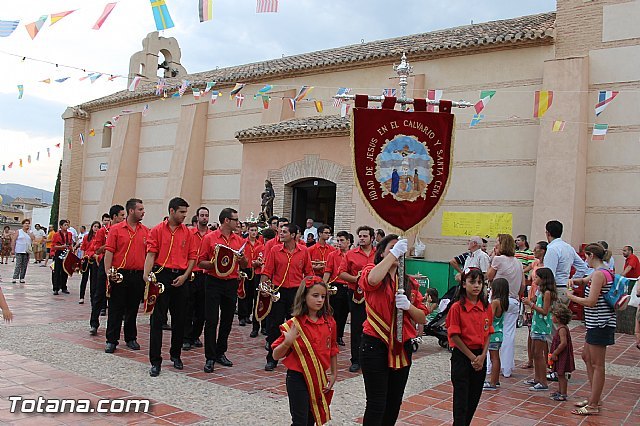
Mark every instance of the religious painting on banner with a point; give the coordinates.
(402, 160)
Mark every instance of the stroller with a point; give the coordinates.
(436, 327)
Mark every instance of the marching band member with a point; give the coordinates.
(62, 241)
(171, 253)
(98, 287)
(221, 286)
(194, 316)
(286, 265)
(339, 301)
(385, 361)
(125, 252)
(88, 262)
(275, 241)
(309, 338)
(350, 268)
(320, 251)
(254, 252)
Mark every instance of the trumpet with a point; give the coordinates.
(115, 276)
(332, 289)
(268, 288)
(154, 280)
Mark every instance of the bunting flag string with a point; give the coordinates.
(341, 91)
(105, 14)
(8, 27)
(34, 27)
(236, 89)
(134, 83)
(55, 17)
(209, 86)
(303, 92)
(29, 157)
(485, 97)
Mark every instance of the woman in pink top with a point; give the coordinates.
(505, 265)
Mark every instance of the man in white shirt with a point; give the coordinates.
(74, 234)
(310, 230)
(38, 243)
(477, 258)
(560, 257)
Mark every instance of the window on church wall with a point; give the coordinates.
(106, 134)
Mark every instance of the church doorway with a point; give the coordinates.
(313, 198)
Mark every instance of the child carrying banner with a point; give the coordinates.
(308, 346)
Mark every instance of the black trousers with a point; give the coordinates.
(123, 305)
(59, 276)
(383, 385)
(340, 305)
(358, 316)
(299, 405)
(194, 311)
(174, 300)
(87, 276)
(220, 298)
(280, 312)
(98, 291)
(246, 305)
(467, 386)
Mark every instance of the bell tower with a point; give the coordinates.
(146, 62)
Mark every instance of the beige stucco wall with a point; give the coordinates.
(502, 165)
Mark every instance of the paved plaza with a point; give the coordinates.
(47, 352)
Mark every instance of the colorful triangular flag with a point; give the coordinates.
(161, 15)
(210, 85)
(183, 87)
(303, 92)
(433, 95)
(262, 91)
(604, 98)
(214, 96)
(46, 80)
(196, 94)
(92, 132)
(134, 83)
(239, 100)
(69, 142)
(58, 145)
(62, 80)
(599, 132)
(266, 6)
(292, 103)
(10, 165)
(105, 14)
(34, 27)
(29, 158)
(94, 76)
(55, 17)
(145, 110)
(318, 105)
(205, 10)
(160, 85)
(81, 140)
(265, 101)
(20, 91)
(236, 89)
(558, 126)
(8, 27)
(476, 119)
(21, 162)
(542, 102)
(485, 97)
(341, 91)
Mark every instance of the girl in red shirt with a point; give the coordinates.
(469, 324)
(308, 345)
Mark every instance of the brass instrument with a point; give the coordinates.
(115, 276)
(192, 277)
(268, 288)
(332, 289)
(154, 280)
(152, 290)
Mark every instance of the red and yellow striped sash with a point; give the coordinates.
(397, 356)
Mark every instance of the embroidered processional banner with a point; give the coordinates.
(402, 160)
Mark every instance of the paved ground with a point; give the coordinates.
(48, 352)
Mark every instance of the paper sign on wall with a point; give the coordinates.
(468, 224)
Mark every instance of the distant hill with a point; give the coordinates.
(9, 191)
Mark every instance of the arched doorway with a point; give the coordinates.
(313, 198)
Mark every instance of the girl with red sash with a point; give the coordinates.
(386, 362)
(308, 345)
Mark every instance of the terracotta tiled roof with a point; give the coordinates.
(309, 127)
(532, 29)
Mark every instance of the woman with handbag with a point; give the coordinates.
(22, 247)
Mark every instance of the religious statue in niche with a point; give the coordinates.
(267, 196)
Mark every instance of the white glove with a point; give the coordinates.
(402, 302)
(400, 248)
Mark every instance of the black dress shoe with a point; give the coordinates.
(110, 348)
(65, 291)
(133, 345)
(223, 360)
(197, 343)
(166, 326)
(340, 341)
(93, 331)
(270, 366)
(186, 346)
(243, 322)
(208, 366)
(354, 367)
(254, 333)
(177, 363)
(55, 293)
(264, 332)
(155, 370)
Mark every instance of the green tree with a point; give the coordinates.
(55, 208)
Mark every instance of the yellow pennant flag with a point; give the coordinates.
(318, 105)
(558, 126)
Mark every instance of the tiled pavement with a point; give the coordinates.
(427, 400)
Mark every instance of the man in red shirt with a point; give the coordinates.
(275, 241)
(319, 252)
(350, 268)
(339, 301)
(62, 241)
(631, 263)
(194, 314)
(254, 251)
(221, 289)
(171, 254)
(125, 251)
(99, 294)
(287, 264)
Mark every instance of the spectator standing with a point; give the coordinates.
(477, 257)
(22, 246)
(310, 230)
(631, 263)
(560, 257)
